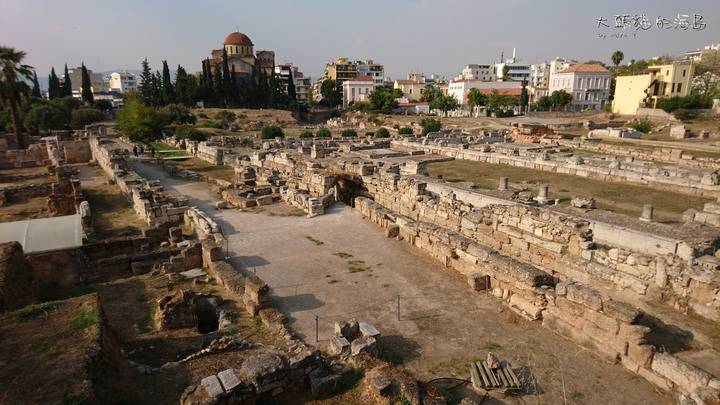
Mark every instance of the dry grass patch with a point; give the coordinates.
(111, 212)
(612, 196)
(200, 166)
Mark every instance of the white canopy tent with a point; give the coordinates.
(44, 234)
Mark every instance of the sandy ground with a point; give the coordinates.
(442, 326)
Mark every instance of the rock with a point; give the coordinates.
(706, 396)
(622, 311)
(381, 385)
(144, 369)
(492, 361)
(468, 401)
(220, 204)
(477, 281)
(213, 386)
(323, 385)
(368, 330)
(392, 231)
(349, 329)
(265, 371)
(338, 344)
(365, 344)
(583, 202)
(229, 379)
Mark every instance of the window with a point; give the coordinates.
(580, 82)
(679, 87)
(587, 96)
(683, 72)
(606, 84)
(673, 88)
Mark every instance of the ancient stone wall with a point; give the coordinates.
(560, 244)
(576, 311)
(16, 279)
(696, 181)
(669, 155)
(34, 155)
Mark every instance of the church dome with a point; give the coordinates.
(237, 38)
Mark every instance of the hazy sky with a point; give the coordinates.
(439, 36)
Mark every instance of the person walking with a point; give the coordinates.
(142, 150)
(135, 150)
(152, 151)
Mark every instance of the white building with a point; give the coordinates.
(517, 71)
(542, 73)
(122, 82)
(374, 70)
(697, 55)
(357, 90)
(302, 83)
(589, 85)
(460, 88)
(478, 72)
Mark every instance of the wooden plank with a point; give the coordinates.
(477, 382)
(485, 378)
(490, 374)
(514, 377)
(502, 377)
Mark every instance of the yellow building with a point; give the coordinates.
(656, 82)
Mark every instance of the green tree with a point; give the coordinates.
(617, 57)
(271, 132)
(226, 117)
(103, 105)
(168, 92)
(46, 117)
(331, 92)
(505, 72)
(444, 103)
(544, 103)
(383, 99)
(323, 133)
(500, 102)
(595, 62)
(427, 93)
(146, 83)
(178, 114)
(405, 131)
(53, 85)
(561, 98)
(291, 92)
(87, 93)
(86, 116)
(382, 133)
(36, 86)
(475, 98)
(66, 86)
(707, 76)
(430, 125)
(140, 122)
(524, 98)
(348, 133)
(13, 88)
(306, 134)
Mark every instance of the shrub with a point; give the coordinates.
(211, 124)
(179, 114)
(382, 133)
(504, 113)
(348, 133)
(306, 134)
(683, 114)
(335, 113)
(323, 133)
(430, 125)
(405, 131)
(271, 132)
(225, 116)
(189, 133)
(643, 125)
(202, 115)
(369, 133)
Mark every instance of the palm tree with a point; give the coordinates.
(617, 57)
(428, 93)
(12, 85)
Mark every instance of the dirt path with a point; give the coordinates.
(339, 266)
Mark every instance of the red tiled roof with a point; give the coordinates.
(585, 68)
(360, 79)
(237, 38)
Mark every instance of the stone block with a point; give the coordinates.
(706, 396)
(381, 386)
(265, 371)
(229, 380)
(642, 355)
(586, 296)
(213, 386)
(392, 231)
(349, 329)
(533, 311)
(606, 323)
(366, 344)
(478, 282)
(622, 311)
(321, 386)
(338, 344)
(634, 334)
(368, 330)
(686, 376)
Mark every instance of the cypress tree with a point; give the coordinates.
(157, 98)
(168, 93)
(36, 86)
(291, 92)
(66, 87)
(218, 96)
(146, 83)
(53, 85)
(181, 80)
(228, 90)
(87, 93)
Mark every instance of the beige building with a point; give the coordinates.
(412, 90)
(344, 69)
(643, 91)
(122, 82)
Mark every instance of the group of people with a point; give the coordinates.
(142, 151)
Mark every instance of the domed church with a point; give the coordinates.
(243, 58)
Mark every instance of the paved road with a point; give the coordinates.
(339, 266)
